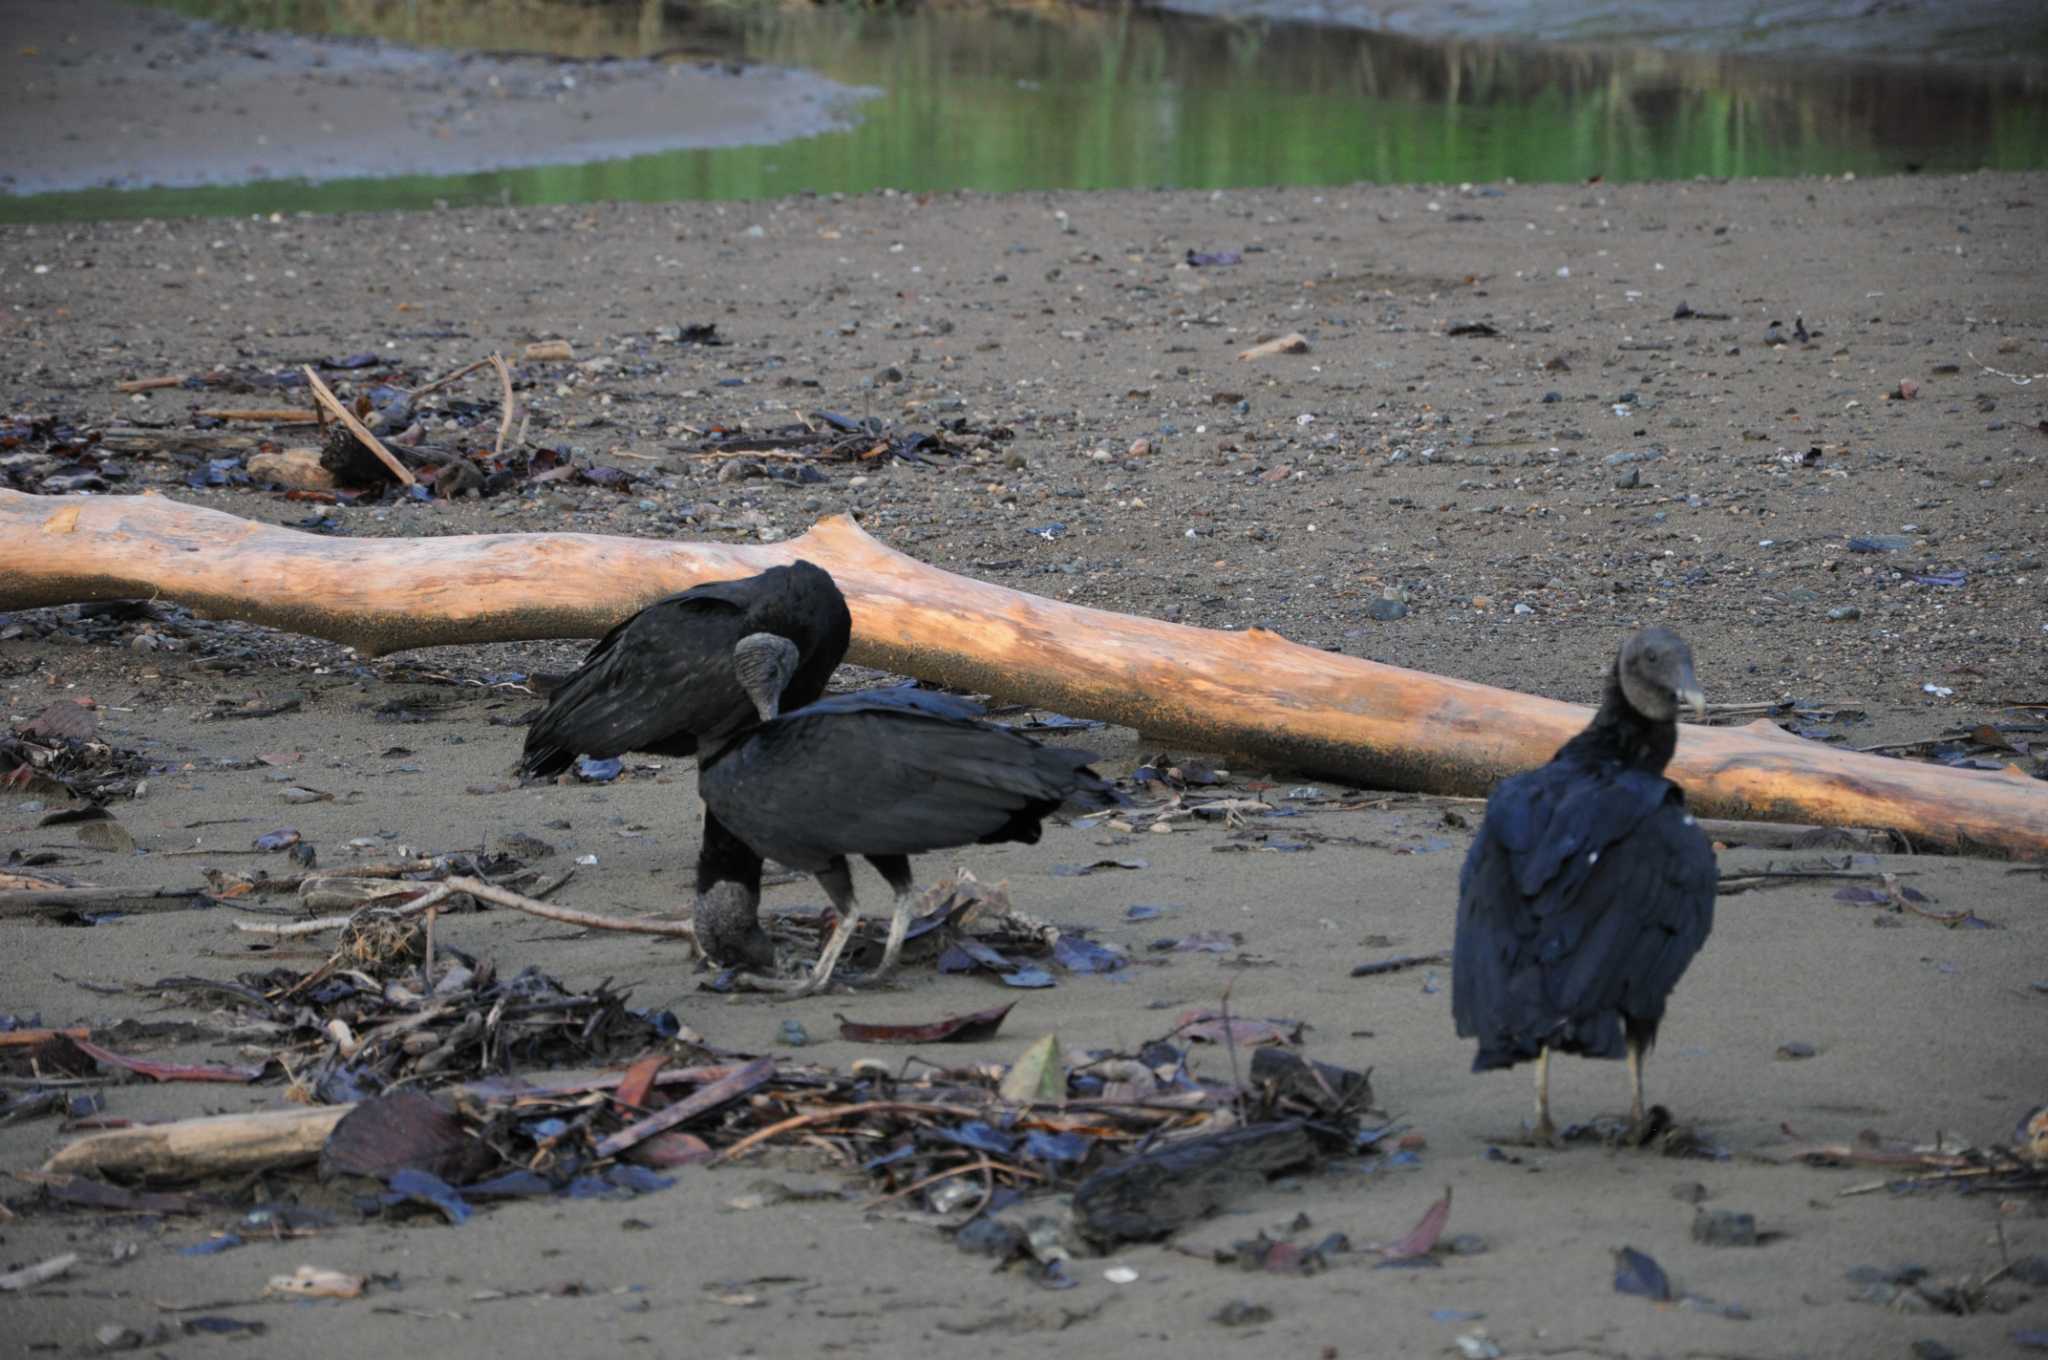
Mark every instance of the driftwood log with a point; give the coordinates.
(1252, 692)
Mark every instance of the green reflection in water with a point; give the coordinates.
(1088, 99)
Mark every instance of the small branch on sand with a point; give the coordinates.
(447, 378)
(333, 406)
(150, 384)
(62, 901)
(276, 415)
(425, 902)
(502, 897)
(507, 405)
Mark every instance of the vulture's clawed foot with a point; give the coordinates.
(1646, 1129)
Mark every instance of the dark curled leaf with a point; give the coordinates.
(978, 955)
(954, 1029)
(212, 1246)
(1041, 1146)
(405, 1131)
(213, 1325)
(1077, 955)
(512, 1185)
(1635, 1273)
(636, 1180)
(981, 1137)
(417, 1187)
(1082, 870)
(598, 771)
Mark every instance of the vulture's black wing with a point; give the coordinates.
(663, 680)
(888, 774)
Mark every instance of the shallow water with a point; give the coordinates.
(1096, 99)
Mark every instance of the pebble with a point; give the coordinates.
(1629, 480)
(792, 1035)
(1724, 1228)
(1386, 611)
(1239, 1313)
(1794, 1051)
(1842, 613)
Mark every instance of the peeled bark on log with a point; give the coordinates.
(1252, 692)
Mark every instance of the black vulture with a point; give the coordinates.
(885, 774)
(663, 682)
(1589, 887)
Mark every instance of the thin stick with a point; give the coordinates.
(504, 897)
(279, 415)
(802, 1121)
(708, 1098)
(2016, 379)
(442, 381)
(1970, 1173)
(424, 902)
(985, 1164)
(497, 361)
(332, 405)
(150, 384)
(427, 956)
(29, 1038)
(28, 1277)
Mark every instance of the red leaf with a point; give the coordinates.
(157, 1071)
(1421, 1239)
(672, 1149)
(954, 1029)
(1207, 1027)
(631, 1095)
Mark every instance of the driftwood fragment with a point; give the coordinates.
(18, 903)
(1252, 693)
(297, 469)
(225, 1142)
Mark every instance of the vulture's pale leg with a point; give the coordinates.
(896, 869)
(1546, 1132)
(838, 884)
(1635, 1077)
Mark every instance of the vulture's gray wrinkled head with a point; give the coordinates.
(1655, 671)
(764, 663)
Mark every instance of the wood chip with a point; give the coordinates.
(1294, 342)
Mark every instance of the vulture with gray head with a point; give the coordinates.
(1589, 887)
(884, 774)
(664, 682)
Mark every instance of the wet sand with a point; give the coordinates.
(107, 95)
